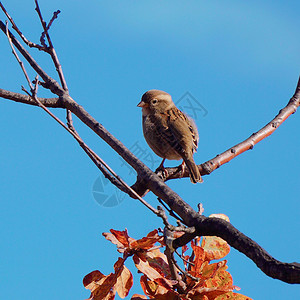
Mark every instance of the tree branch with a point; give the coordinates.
(17, 97)
(205, 226)
(287, 272)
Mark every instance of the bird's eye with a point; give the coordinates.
(154, 101)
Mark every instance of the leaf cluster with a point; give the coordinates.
(202, 278)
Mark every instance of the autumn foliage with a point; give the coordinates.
(201, 278)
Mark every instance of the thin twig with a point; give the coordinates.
(55, 16)
(74, 134)
(54, 57)
(170, 211)
(184, 272)
(15, 27)
(162, 215)
(70, 120)
(183, 258)
(44, 24)
(181, 286)
(17, 57)
(51, 48)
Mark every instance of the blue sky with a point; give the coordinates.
(239, 60)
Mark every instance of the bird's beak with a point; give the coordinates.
(143, 104)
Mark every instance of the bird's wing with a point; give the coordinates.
(182, 130)
(194, 131)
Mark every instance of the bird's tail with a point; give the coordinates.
(193, 169)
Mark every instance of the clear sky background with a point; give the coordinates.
(239, 60)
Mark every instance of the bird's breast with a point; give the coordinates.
(158, 137)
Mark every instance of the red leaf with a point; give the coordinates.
(102, 289)
(125, 243)
(145, 268)
(156, 291)
(119, 238)
(198, 260)
(107, 286)
(147, 242)
(124, 282)
(122, 237)
(92, 277)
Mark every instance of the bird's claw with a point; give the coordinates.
(181, 169)
(161, 168)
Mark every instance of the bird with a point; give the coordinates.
(169, 132)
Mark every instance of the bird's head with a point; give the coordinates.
(156, 101)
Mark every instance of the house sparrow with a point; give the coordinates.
(168, 131)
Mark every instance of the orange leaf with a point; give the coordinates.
(208, 293)
(198, 260)
(91, 278)
(107, 286)
(119, 238)
(149, 287)
(166, 296)
(102, 289)
(138, 297)
(215, 281)
(154, 253)
(122, 236)
(156, 291)
(158, 261)
(220, 216)
(145, 268)
(232, 296)
(210, 270)
(214, 247)
(125, 243)
(124, 282)
(198, 297)
(148, 241)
